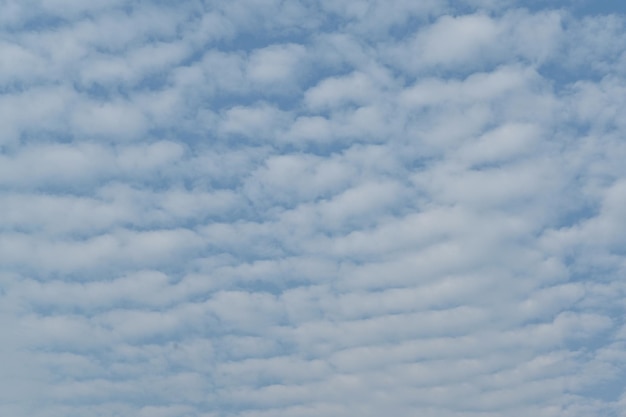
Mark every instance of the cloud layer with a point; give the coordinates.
(312, 208)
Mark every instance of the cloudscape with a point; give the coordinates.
(312, 208)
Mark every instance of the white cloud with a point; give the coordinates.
(278, 65)
(454, 41)
(267, 208)
(258, 123)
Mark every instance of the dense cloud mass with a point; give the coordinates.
(312, 208)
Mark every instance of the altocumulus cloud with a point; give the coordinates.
(312, 208)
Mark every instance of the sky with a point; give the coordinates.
(312, 208)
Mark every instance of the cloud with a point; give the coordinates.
(266, 208)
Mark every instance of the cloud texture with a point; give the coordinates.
(304, 208)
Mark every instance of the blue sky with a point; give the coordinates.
(327, 208)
